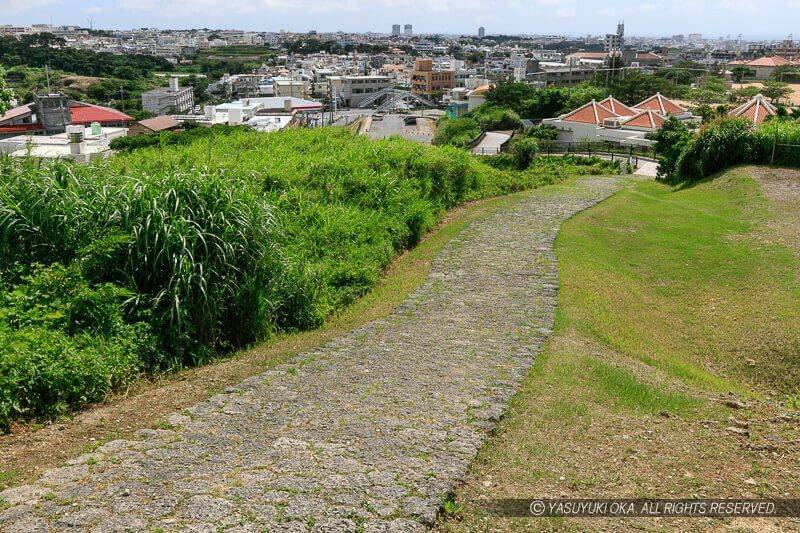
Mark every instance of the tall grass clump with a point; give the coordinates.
(686, 157)
(169, 254)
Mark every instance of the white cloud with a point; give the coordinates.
(15, 7)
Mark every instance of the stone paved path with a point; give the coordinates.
(366, 433)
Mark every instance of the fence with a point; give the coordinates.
(604, 148)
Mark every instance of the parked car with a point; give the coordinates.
(408, 121)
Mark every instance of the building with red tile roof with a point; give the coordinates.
(591, 113)
(647, 120)
(764, 67)
(755, 110)
(25, 118)
(662, 105)
(612, 120)
(617, 107)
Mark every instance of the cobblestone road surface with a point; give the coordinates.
(365, 434)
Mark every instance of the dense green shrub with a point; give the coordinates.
(719, 145)
(684, 157)
(167, 254)
(496, 118)
(524, 150)
(670, 141)
(171, 138)
(543, 132)
(65, 342)
(458, 132)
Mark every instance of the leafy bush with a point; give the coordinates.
(725, 142)
(719, 145)
(167, 254)
(171, 138)
(496, 118)
(524, 150)
(462, 131)
(458, 132)
(670, 141)
(543, 132)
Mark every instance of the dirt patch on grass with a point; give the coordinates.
(782, 187)
(80, 83)
(573, 434)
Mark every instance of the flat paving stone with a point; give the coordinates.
(367, 433)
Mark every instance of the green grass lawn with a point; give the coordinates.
(669, 300)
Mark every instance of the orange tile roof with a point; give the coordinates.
(660, 104)
(769, 61)
(617, 107)
(483, 89)
(756, 110)
(647, 55)
(589, 55)
(648, 119)
(591, 113)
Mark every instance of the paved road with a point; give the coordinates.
(492, 142)
(389, 125)
(367, 433)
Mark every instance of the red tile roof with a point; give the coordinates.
(617, 107)
(161, 123)
(660, 104)
(648, 119)
(770, 61)
(588, 55)
(756, 110)
(83, 113)
(647, 55)
(591, 113)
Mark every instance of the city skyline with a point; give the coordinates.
(567, 17)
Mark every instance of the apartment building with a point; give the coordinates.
(352, 90)
(429, 82)
(172, 99)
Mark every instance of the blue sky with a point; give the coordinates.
(751, 18)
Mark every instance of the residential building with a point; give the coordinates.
(153, 125)
(77, 142)
(615, 41)
(350, 91)
(429, 82)
(408, 30)
(481, 32)
(291, 87)
(52, 113)
(395, 30)
(763, 67)
(171, 99)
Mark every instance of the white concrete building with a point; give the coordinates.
(77, 143)
(172, 99)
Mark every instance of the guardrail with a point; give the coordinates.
(598, 148)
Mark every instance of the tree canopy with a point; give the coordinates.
(5, 93)
(47, 49)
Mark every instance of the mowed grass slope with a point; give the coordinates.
(669, 302)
